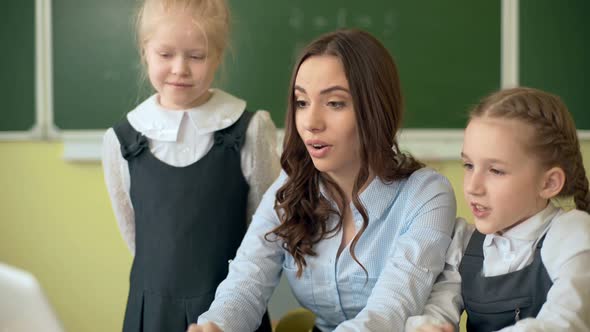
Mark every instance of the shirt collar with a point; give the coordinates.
(528, 230)
(156, 122)
(219, 112)
(376, 197)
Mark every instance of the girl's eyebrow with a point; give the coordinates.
(166, 46)
(488, 160)
(496, 161)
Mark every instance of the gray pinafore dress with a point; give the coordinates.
(493, 303)
(189, 223)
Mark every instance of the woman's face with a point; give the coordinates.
(325, 116)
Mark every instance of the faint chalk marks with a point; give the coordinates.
(296, 19)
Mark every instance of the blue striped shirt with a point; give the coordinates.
(403, 250)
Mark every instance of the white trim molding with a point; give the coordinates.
(432, 144)
(52, 131)
(83, 146)
(509, 75)
(427, 144)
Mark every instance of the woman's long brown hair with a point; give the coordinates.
(376, 94)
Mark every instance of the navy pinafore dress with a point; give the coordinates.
(189, 223)
(493, 303)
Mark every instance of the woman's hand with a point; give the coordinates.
(435, 328)
(207, 327)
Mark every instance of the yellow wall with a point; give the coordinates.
(56, 222)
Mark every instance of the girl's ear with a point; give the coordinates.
(553, 182)
(217, 58)
(143, 56)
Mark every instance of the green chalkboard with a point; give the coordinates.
(448, 53)
(95, 62)
(555, 51)
(17, 65)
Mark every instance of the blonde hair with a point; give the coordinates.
(555, 140)
(212, 16)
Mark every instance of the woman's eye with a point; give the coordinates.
(300, 104)
(197, 57)
(336, 104)
(467, 166)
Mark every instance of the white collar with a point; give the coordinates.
(530, 229)
(154, 121)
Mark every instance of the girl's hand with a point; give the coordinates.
(435, 328)
(207, 327)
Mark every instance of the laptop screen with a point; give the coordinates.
(23, 305)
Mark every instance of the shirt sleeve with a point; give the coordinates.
(241, 299)
(260, 161)
(416, 259)
(116, 176)
(445, 303)
(566, 255)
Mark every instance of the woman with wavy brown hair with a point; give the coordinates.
(359, 228)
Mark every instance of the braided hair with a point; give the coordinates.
(555, 140)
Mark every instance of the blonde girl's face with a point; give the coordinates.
(181, 66)
(502, 179)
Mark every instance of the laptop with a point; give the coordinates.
(23, 305)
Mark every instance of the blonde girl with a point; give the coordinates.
(186, 168)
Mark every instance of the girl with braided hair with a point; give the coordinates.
(525, 266)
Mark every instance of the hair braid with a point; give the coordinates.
(555, 140)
